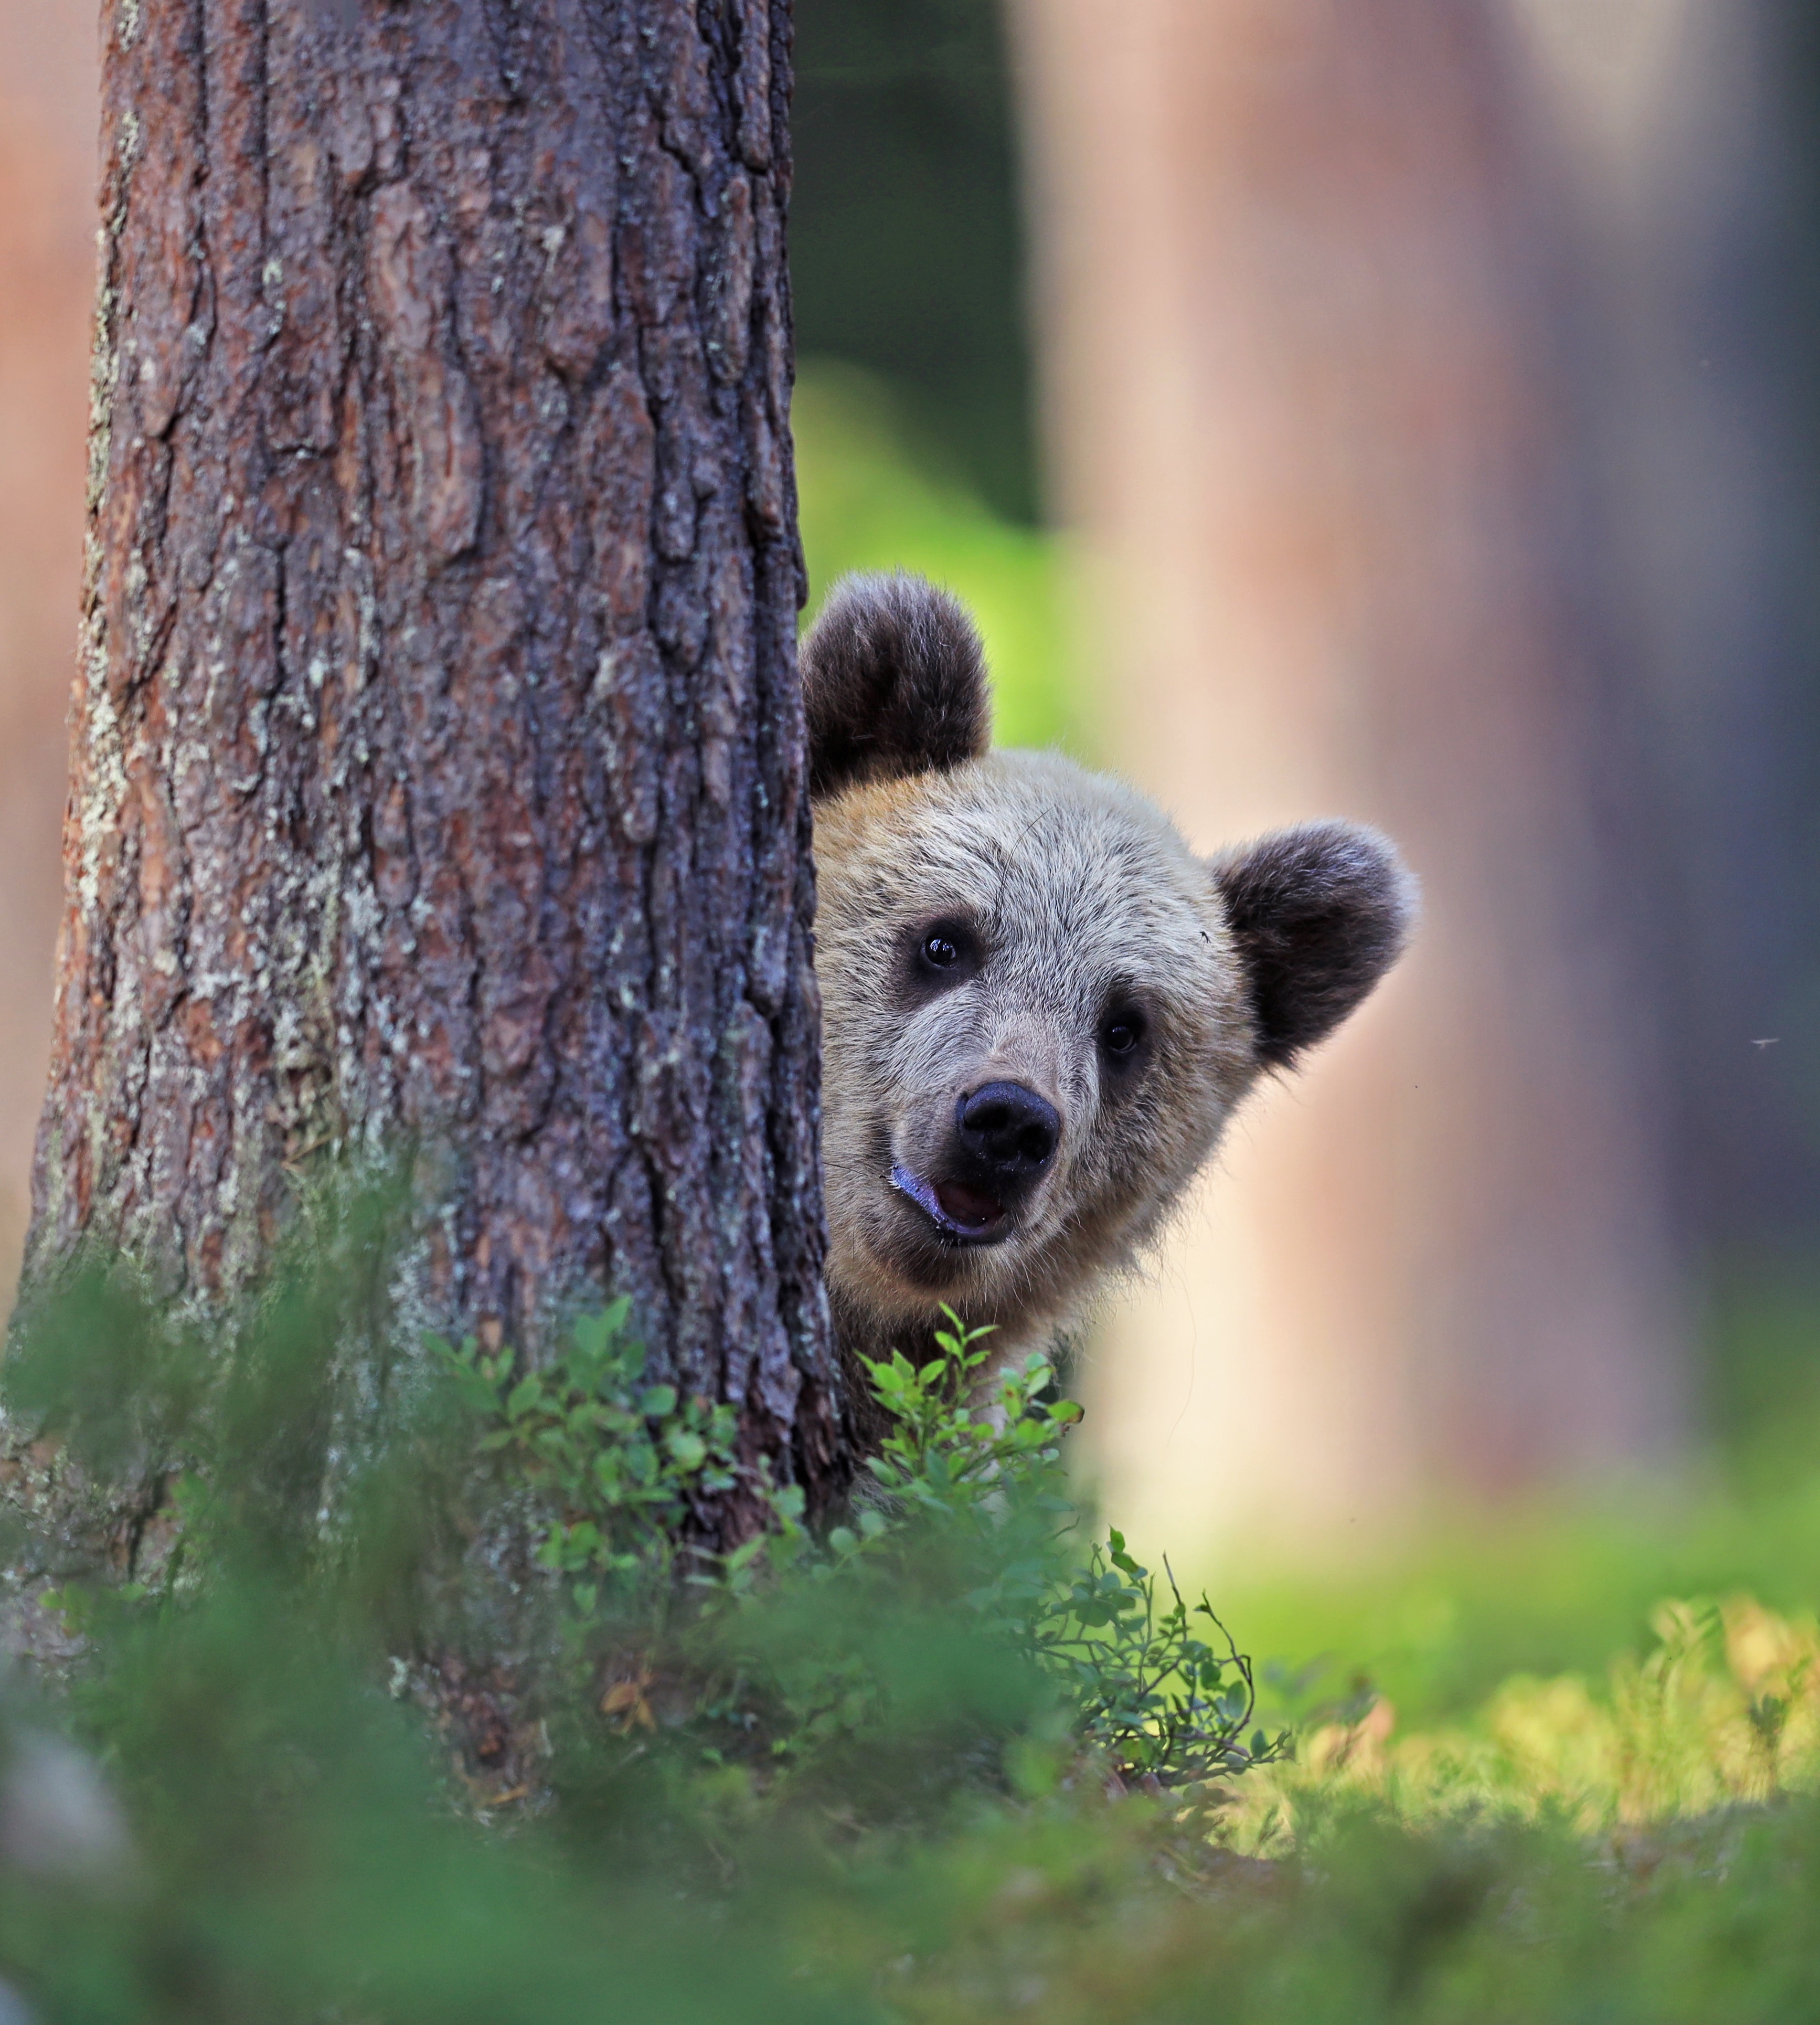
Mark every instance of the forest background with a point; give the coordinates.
(1326, 412)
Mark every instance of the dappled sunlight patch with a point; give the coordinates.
(1722, 1711)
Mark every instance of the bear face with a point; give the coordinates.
(1035, 1024)
(1040, 1008)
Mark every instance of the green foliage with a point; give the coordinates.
(946, 1447)
(617, 1461)
(914, 1621)
(297, 1446)
(865, 1779)
(970, 1512)
(294, 1860)
(1158, 1701)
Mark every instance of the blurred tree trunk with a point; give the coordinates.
(1679, 127)
(438, 782)
(1306, 302)
(47, 256)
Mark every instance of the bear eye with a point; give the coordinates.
(1122, 1032)
(946, 952)
(938, 955)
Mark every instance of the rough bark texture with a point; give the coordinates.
(438, 777)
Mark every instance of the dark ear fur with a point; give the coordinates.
(894, 680)
(1320, 913)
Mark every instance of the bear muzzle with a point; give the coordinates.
(1004, 1139)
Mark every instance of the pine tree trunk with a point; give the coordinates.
(438, 784)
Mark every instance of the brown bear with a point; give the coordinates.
(1040, 1008)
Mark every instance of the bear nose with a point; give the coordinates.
(1010, 1128)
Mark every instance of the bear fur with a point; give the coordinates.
(1040, 1008)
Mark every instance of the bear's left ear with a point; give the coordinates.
(894, 682)
(1319, 913)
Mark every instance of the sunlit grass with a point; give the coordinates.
(1718, 1709)
(1610, 1662)
(1557, 1586)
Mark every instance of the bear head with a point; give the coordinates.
(1040, 1008)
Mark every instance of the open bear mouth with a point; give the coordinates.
(969, 1216)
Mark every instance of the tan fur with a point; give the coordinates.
(1082, 891)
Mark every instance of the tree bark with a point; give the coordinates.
(438, 783)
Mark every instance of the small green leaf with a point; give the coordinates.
(688, 1449)
(591, 1334)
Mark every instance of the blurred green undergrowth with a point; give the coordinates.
(1553, 1585)
(402, 1644)
(953, 1758)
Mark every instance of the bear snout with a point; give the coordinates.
(1005, 1135)
(1003, 1138)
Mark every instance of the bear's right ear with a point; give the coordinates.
(893, 682)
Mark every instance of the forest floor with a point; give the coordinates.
(1565, 1768)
